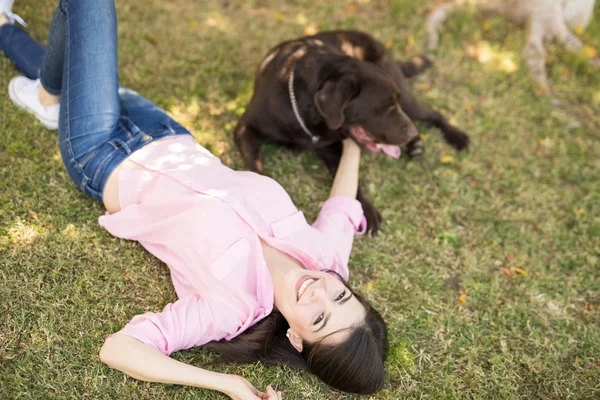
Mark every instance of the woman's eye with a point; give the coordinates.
(341, 296)
(319, 319)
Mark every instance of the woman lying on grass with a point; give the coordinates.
(255, 282)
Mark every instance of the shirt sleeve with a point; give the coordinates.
(340, 219)
(188, 322)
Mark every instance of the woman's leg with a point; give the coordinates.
(86, 32)
(21, 49)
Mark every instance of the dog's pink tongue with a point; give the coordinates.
(391, 150)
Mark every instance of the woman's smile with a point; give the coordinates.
(303, 283)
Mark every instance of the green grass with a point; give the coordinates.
(527, 195)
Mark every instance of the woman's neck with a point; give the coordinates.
(279, 264)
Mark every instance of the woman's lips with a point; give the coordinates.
(303, 283)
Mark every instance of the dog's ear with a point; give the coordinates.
(333, 96)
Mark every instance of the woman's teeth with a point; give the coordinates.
(303, 287)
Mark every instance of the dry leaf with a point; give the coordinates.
(421, 136)
(579, 212)
(446, 159)
(589, 52)
(469, 109)
(542, 90)
(278, 16)
(579, 30)
(151, 39)
(192, 23)
(389, 44)
(519, 271)
(596, 97)
(352, 9)
(462, 299)
(591, 307)
(410, 44)
(507, 272)
(424, 85)
(311, 29)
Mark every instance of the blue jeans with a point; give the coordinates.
(100, 123)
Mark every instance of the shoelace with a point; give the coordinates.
(12, 17)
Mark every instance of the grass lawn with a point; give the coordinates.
(487, 270)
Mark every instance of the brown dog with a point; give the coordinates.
(312, 92)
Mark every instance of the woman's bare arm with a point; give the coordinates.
(147, 363)
(345, 182)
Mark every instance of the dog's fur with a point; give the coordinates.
(344, 81)
(545, 21)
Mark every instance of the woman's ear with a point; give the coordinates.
(294, 339)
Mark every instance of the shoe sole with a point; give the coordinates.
(48, 123)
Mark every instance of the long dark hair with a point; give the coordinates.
(354, 366)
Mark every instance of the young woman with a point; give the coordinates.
(254, 281)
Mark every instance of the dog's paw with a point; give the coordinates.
(373, 217)
(457, 139)
(416, 148)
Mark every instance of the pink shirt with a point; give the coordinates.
(205, 221)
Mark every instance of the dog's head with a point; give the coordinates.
(359, 100)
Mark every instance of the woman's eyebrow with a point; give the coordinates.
(324, 322)
(344, 300)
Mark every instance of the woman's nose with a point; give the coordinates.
(319, 294)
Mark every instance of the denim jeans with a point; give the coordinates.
(100, 123)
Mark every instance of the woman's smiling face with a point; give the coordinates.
(317, 304)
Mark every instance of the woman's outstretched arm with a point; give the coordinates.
(144, 362)
(345, 182)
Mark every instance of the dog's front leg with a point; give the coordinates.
(535, 54)
(249, 141)
(331, 156)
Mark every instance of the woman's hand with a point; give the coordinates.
(239, 388)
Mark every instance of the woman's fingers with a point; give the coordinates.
(272, 393)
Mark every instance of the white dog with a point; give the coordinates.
(545, 21)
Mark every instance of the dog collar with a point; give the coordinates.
(314, 138)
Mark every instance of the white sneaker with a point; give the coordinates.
(24, 93)
(6, 7)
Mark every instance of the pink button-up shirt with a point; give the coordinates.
(205, 221)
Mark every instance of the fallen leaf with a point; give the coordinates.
(507, 272)
(421, 136)
(542, 90)
(579, 30)
(462, 299)
(352, 9)
(579, 212)
(410, 44)
(424, 85)
(589, 52)
(469, 109)
(596, 97)
(278, 16)
(591, 307)
(389, 44)
(311, 29)
(446, 159)
(192, 23)
(519, 271)
(151, 39)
